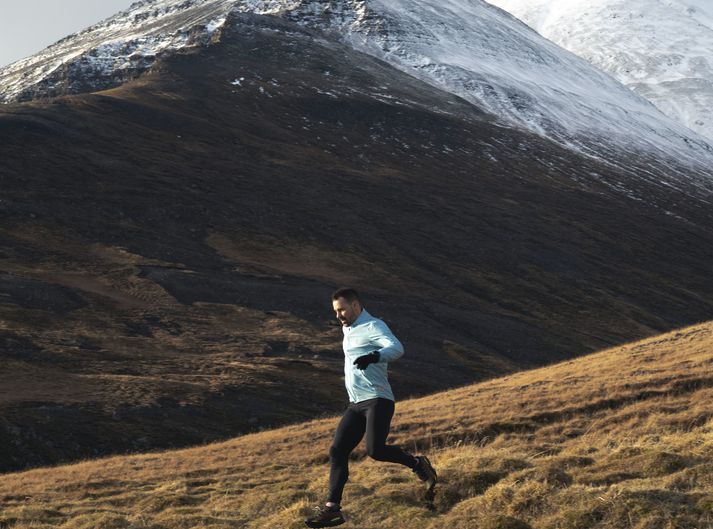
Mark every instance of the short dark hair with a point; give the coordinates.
(347, 293)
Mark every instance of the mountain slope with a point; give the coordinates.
(469, 48)
(659, 49)
(114, 50)
(170, 245)
(619, 438)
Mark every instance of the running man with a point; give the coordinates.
(368, 347)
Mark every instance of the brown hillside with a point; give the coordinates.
(622, 438)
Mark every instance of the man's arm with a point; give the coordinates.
(390, 348)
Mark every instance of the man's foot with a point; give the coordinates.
(425, 471)
(326, 516)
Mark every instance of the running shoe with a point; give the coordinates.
(425, 471)
(326, 517)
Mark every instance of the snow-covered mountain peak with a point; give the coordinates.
(113, 50)
(467, 47)
(487, 56)
(661, 49)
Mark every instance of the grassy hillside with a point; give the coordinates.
(622, 438)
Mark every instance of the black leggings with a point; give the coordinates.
(372, 416)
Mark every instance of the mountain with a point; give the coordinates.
(113, 51)
(660, 49)
(619, 438)
(170, 245)
(469, 48)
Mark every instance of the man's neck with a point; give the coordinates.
(359, 315)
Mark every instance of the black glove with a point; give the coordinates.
(365, 360)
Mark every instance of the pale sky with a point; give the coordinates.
(28, 26)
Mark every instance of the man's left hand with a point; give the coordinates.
(371, 358)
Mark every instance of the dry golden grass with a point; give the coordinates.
(622, 438)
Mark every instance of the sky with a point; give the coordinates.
(28, 26)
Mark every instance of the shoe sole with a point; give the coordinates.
(316, 525)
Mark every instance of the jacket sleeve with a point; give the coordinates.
(390, 347)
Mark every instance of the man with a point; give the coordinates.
(368, 347)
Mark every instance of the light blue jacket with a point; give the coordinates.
(365, 335)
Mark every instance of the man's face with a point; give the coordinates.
(347, 312)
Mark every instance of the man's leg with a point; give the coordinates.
(348, 435)
(378, 422)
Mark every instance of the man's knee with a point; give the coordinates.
(375, 451)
